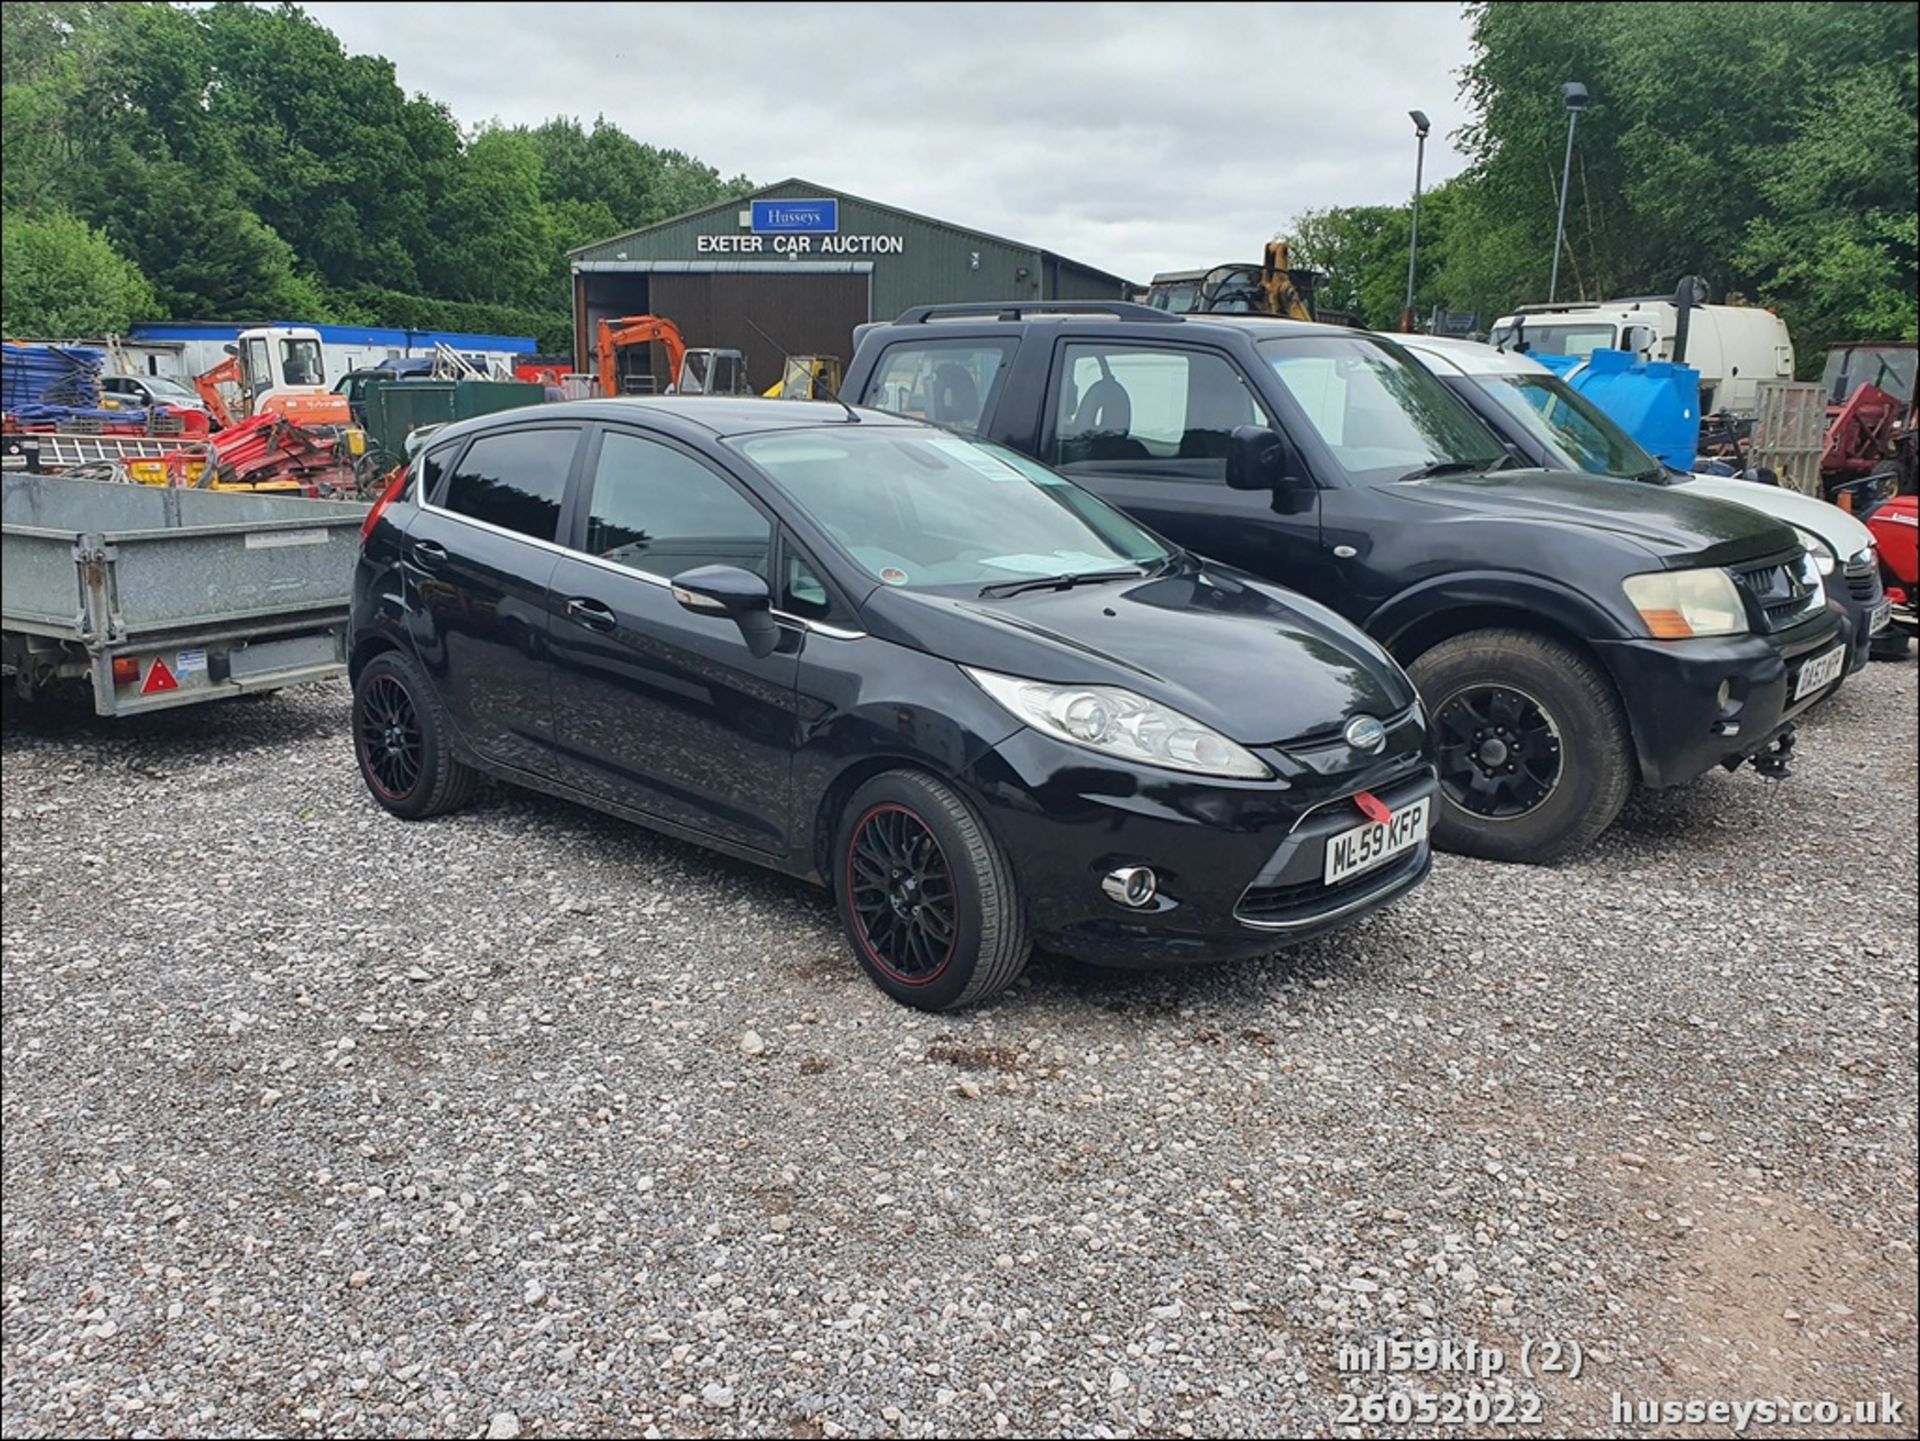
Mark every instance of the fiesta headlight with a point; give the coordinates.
(1675, 604)
(1118, 723)
(1822, 553)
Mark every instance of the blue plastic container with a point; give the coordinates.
(1654, 401)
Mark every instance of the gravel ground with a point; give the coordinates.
(524, 1122)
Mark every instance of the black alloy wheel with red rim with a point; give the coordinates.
(900, 892)
(391, 744)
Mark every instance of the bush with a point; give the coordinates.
(59, 277)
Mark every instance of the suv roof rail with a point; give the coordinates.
(1021, 309)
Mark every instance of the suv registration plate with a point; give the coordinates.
(1820, 672)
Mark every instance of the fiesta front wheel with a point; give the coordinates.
(927, 897)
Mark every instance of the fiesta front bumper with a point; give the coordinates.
(1237, 864)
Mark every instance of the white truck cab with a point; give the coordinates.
(1734, 347)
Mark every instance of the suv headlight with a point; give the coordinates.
(1675, 604)
(1822, 553)
(1119, 723)
(1867, 555)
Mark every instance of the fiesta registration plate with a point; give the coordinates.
(1372, 844)
(1820, 672)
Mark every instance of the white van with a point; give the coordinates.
(1734, 347)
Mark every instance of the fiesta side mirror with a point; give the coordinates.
(732, 593)
(1261, 458)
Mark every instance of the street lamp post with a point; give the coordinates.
(1420, 127)
(1574, 95)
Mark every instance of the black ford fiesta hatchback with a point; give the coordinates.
(978, 702)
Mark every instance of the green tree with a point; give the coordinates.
(208, 256)
(1769, 148)
(251, 167)
(59, 277)
(497, 240)
(333, 152)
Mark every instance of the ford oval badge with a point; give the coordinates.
(1364, 733)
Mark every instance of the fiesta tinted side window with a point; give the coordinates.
(516, 480)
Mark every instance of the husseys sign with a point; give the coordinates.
(798, 227)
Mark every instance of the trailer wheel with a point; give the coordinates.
(400, 739)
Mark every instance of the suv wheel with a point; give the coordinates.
(926, 895)
(400, 739)
(1535, 757)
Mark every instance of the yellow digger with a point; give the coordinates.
(1272, 287)
(807, 377)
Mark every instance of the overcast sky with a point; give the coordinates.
(1132, 137)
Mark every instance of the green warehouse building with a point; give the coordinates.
(805, 265)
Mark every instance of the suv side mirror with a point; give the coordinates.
(1260, 458)
(737, 594)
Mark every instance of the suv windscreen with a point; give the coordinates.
(924, 510)
(1572, 428)
(1382, 418)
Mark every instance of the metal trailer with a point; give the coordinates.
(163, 596)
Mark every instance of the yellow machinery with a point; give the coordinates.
(1272, 287)
(808, 377)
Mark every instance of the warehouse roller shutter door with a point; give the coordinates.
(801, 315)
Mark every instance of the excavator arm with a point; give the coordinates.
(208, 383)
(614, 336)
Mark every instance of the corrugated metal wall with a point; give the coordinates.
(804, 315)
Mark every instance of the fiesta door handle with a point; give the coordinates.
(591, 614)
(429, 554)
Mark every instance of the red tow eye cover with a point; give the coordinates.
(1373, 808)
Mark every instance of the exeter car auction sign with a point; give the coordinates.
(797, 227)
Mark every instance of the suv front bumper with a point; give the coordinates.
(1671, 691)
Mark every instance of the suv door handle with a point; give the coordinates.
(429, 554)
(591, 614)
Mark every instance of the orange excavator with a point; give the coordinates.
(277, 370)
(702, 371)
(615, 336)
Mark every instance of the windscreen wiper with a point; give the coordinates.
(1058, 582)
(1450, 467)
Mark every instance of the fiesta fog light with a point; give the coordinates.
(1130, 886)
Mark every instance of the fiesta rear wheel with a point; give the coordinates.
(1535, 756)
(400, 739)
(926, 896)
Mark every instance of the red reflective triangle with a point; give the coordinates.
(1373, 808)
(159, 678)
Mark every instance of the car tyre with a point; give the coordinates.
(1536, 758)
(928, 898)
(400, 738)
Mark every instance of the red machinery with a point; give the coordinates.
(271, 451)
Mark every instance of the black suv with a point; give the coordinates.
(1570, 634)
